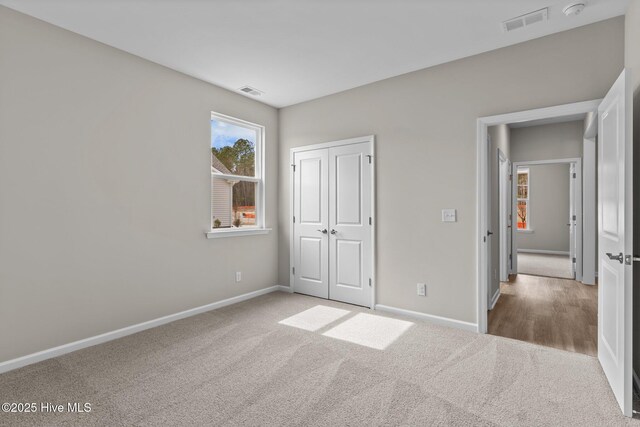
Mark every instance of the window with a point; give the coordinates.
(237, 189)
(524, 219)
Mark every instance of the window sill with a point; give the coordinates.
(527, 231)
(236, 232)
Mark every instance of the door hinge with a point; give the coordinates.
(510, 177)
(370, 157)
(370, 222)
(574, 260)
(575, 217)
(293, 271)
(574, 175)
(294, 219)
(370, 281)
(294, 167)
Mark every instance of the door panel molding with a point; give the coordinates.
(309, 246)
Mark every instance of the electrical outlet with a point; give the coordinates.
(422, 289)
(238, 276)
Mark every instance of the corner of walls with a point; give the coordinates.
(117, 175)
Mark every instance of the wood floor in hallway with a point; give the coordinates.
(557, 313)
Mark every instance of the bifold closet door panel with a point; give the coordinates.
(350, 231)
(311, 213)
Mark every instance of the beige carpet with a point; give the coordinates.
(240, 366)
(545, 265)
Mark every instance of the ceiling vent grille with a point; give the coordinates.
(251, 91)
(526, 20)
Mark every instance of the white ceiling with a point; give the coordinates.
(297, 50)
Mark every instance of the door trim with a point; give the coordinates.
(504, 191)
(366, 139)
(482, 186)
(577, 208)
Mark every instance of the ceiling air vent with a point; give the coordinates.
(251, 91)
(526, 20)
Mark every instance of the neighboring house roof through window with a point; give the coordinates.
(219, 166)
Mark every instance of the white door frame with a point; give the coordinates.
(504, 191)
(371, 140)
(589, 202)
(482, 186)
(577, 206)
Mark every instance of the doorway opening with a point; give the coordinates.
(535, 261)
(548, 206)
(606, 163)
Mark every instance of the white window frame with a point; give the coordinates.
(259, 228)
(529, 228)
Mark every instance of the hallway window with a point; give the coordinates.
(523, 199)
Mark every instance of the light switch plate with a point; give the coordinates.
(422, 289)
(449, 215)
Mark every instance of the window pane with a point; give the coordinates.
(522, 215)
(523, 178)
(221, 208)
(233, 203)
(244, 204)
(523, 191)
(232, 149)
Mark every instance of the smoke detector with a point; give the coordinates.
(574, 9)
(525, 20)
(250, 90)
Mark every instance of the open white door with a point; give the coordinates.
(615, 266)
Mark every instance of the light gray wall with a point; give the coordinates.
(500, 140)
(105, 190)
(549, 209)
(632, 62)
(425, 127)
(544, 142)
(549, 183)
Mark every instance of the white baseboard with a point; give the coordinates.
(128, 330)
(444, 321)
(285, 289)
(494, 299)
(542, 251)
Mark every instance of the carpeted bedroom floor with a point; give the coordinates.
(286, 359)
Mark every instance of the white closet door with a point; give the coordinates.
(350, 235)
(310, 245)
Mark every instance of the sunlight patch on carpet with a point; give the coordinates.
(314, 318)
(368, 330)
